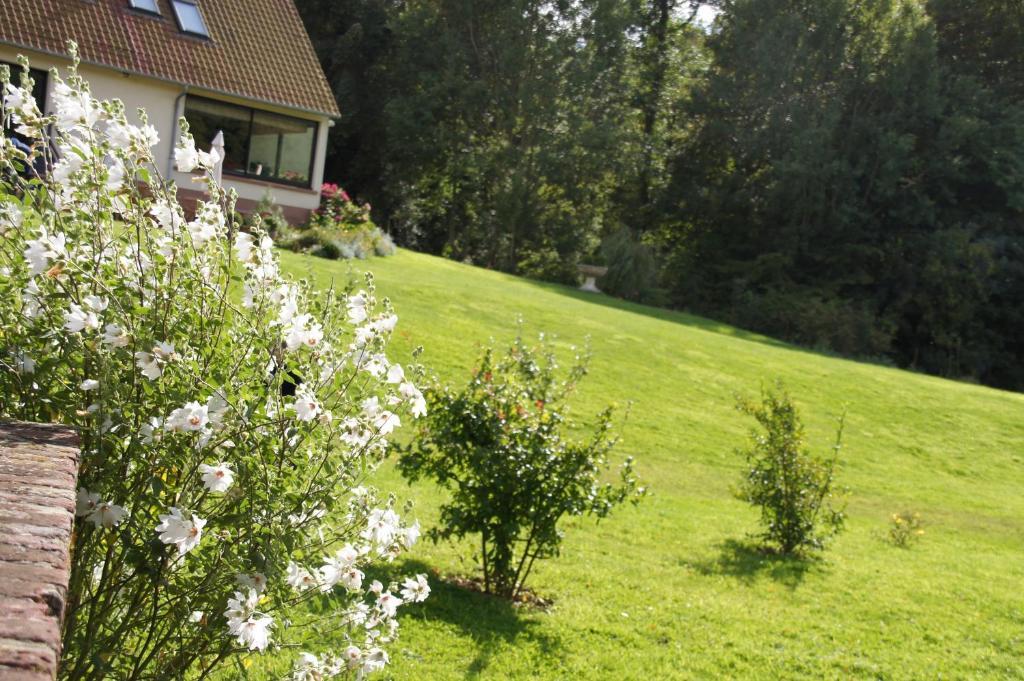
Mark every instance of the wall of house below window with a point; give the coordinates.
(163, 105)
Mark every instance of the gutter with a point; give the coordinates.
(175, 132)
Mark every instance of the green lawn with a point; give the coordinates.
(671, 589)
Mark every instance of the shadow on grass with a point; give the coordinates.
(748, 562)
(490, 621)
(663, 314)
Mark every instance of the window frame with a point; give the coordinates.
(145, 10)
(181, 24)
(252, 111)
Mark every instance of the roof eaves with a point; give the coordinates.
(333, 115)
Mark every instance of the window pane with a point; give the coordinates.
(145, 5)
(189, 18)
(205, 117)
(281, 148)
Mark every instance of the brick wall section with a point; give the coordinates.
(38, 470)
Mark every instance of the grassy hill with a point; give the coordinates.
(671, 589)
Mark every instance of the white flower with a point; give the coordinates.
(357, 305)
(188, 158)
(340, 568)
(85, 502)
(151, 431)
(175, 529)
(77, 320)
(208, 225)
(411, 535)
(217, 478)
(196, 617)
(165, 212)
(374, 661)
(255, 632)
(396, 374)
(193, 416)
(89, 384)
(96, 303)
(74, 107)
(302, 331)
(106, 514)
(388, 603)
(244, 246)
(381, 526)
(299, 578)
(10, 216)
(151, 363)
(353, 657)
(306, 406)
(257, 581)
(250, 628)
(114, 336)
(417, 404)
(415, 590)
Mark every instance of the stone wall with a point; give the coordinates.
(38, 470)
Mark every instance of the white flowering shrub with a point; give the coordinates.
(227, 414)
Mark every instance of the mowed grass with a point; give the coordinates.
(672, 588)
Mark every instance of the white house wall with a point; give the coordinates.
(164, 104)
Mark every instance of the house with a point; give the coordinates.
(244, 67)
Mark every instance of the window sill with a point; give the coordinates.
(268, 184)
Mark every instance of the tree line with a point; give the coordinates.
(844, 174)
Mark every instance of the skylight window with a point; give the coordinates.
(190, 19)
(145, 6)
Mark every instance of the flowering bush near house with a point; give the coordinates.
(227, 414)
(340, 228)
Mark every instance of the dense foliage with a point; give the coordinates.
(845, 174)
(228, 414)
(793, 489)
(340, 228)
(500, 445)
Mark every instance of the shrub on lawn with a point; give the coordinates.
(227, 414)
(793, 488)
(905, 528)
(499, 446)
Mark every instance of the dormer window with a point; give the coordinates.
(190, 19)
(148, 6)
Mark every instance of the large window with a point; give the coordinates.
(257, 144)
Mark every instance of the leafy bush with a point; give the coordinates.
(227, 414)
(793, 489)
(499, 446)
(268, 216)
(632, 269)
(905, 528)
(340, 229)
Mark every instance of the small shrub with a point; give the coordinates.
(632, 269)
(340, 229)
(905, 528)
(793, 489)
(268, 216)
(499, 446)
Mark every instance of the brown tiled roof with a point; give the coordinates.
(258, 49)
